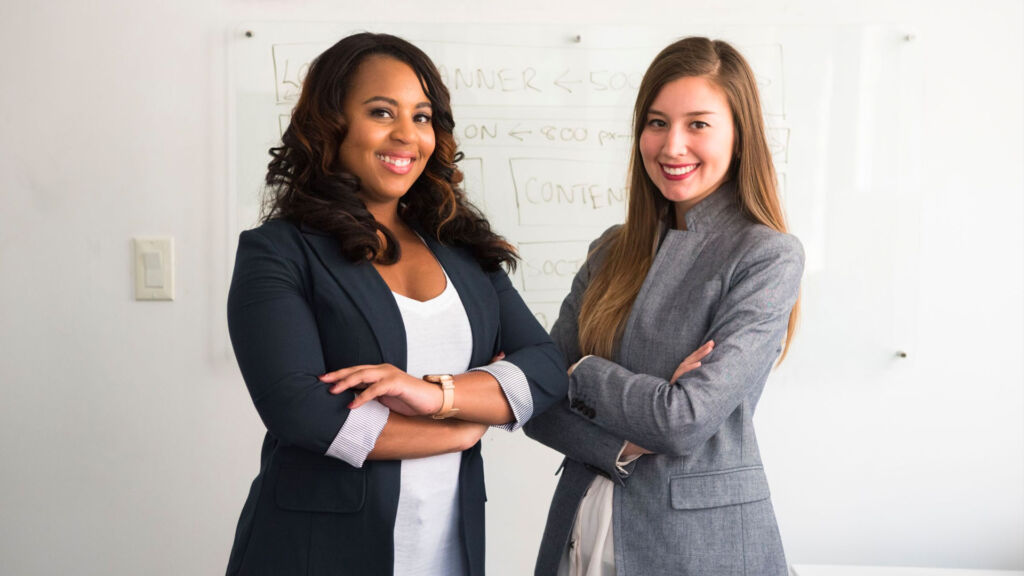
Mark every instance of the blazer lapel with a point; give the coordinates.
(475, 292)
(368, 291)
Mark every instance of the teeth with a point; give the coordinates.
(400, 162)
(679, 171)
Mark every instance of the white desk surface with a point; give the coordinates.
(826, 570)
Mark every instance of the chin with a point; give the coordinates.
(678, 197)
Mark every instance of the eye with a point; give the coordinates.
(699, 125)
(422, 118)
(655, 123)
(381, 113)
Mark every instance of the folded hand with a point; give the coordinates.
(392, 387)
(693, 360)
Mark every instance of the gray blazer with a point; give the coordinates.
(700, 504)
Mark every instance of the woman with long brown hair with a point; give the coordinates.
(662, 473)
(371, 272)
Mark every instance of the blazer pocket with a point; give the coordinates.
(308, 489)
(722, 488)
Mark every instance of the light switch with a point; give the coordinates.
(154, 268)
(154, 272)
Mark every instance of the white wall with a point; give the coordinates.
(127, 440)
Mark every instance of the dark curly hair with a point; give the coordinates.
(307, 184)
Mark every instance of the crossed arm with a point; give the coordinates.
(409, 432)
(582, 440)
(506, 393)
(274, 333)
(676, 416)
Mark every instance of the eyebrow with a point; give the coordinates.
(694, 113)
(394, 102)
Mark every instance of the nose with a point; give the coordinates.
(404, 129)
(676, 142)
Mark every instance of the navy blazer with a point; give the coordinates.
(298, 308)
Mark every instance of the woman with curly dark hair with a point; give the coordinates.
(376, 331)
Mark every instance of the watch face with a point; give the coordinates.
(442, 379)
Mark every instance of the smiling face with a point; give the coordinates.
(389, 136)
(687, 141)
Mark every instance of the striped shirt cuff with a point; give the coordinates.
(359, 433)
(516, 388)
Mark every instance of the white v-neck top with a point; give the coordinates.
(440, 341)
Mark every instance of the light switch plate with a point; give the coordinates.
(154, 268)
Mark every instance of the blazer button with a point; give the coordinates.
(575, 403)
(591, 413)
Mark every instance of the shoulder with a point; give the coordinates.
(279, 235)
(598, 249)
(766, 253)
(276, 230)
(602, 242)
(273, 243)
(760, 240)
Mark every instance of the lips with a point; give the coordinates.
(399, 163)
(678, 171)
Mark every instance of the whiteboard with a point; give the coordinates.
(543, 115)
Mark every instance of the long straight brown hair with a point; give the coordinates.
(630, 250)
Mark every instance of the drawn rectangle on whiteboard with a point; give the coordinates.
(551, 265)
(556, 192)
(766, 61)
(291, 63)
(778, 143)
(494, 75)
(473, 181)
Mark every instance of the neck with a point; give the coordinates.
(386, 215)
(683, 207)
(680, 213)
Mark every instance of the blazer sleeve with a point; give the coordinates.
(528, 347)
(274, 334)
(675, 418)
(561, 428)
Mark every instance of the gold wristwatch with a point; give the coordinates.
(447, 384)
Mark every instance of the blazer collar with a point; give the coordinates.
(368, 291)
(361, 281)
(712, 209)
